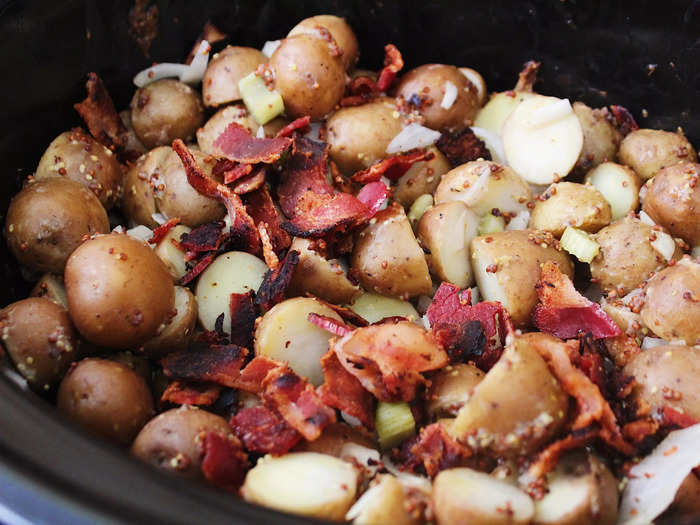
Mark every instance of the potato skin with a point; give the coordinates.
(339, 29)
(51, 286)
(165, 110)
(138, 199)
(423, 177)
(672, 200)
(48, 219)
(672, 302)
(119, 291)
(600, 138)
(40, 339)
(451, 388)
(177, 333)
(171, 441)
(309, 78)
(106, 398)
(225, 69)
(647, 151)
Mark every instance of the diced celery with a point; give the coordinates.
(490, 223)
(263, 104)
(579, 244)
(419, 207)
(394, 423)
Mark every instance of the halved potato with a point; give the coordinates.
(384, 502)
(619, 185)
(498, 109)
(172, 255)
(374, 307)
(176, 334)
(423, 177)
(451, 388)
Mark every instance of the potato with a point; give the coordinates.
(647, 151)
(172, 440)
(77, 156)
(618, 184)
(231, 272)
(499, 107)
(672, 302)
(48, 219)
(334, 439)
(569, 204)
(358, 136)
(477, 81)
(171, 254)
(506, 266)
(133, 145)
(519, 419)
(305, 483)
(600, 138)
(174, 335)
(40, 339)
(106, 398)
(667, 376)
(373, 307)
(119, 292)
(387, 258)
(421, 178)
(451, 388)
(445, 232)
(383, 502)
(463, 496)
(580, 491)
(429, 84)
(484, 186)
(141, 181)
(284, 333)
(672, 200)
(340, 31)
(628, 321)
(225, 69)
(165, 110)
(310, 79)
(51, 286)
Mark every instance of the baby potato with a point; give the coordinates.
(647, 151)
(174, 334)
(310, 79)
(618, 184)
(451, 388)
(284, 333)
(171, 254)
(51, 286)
(225, 69)
(358, 136)
(106, 398)
(506, 266)
(304, 483)
(484, 186)
(165, 110)
(497, 110)
(48, 219)
(462, 496)
(429, 83)
(339, 29)
(667, 376)
(231, 272)
(318, 276)
(672, 302)
(383, 502)
(172, 440)
(445, 232)
(387, 258)
(133, 144)
(373, 307)
(672, 200)
(119, 292)
(600, 138)
(138, 200)
(570, 204)
(40, 339)
(519, 419)
(421, 178)
(77, 156)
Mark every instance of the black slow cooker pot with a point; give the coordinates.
(643, 54)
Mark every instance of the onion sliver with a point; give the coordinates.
(411, 137)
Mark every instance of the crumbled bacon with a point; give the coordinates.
(100, 116)
(319, 214)
(343, 391)
(300, 125)
(161, 231)
(191, 393)
(393, 63)
(637, 431)
(462, 147)
(233, 171)
(224, 463)
(623, 120)
(373, 195)
(252, 375)
(392, 167)
(251, 182)
(528, 76)
(675, 418)
(437, 450)
(276, 281)
(235, 143)
(243, 317)
(269, 255)
(263, 431)
(346, 313)
(198, 268)
(329, 324)
(205, 238)
(219, 364)
(622, 348)
(262, 209)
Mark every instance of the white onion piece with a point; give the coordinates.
(159, 71)
(195, 71)
(477, 80)
(140, 232)
(270, 47)
(651, 342)
(493, 143)
(411, 137)
(351, 420)
(551, 113)
(627, 299)
(260, 134)
(644, 217)
(367, 499)
(118, 229)
(160, 218)
(664, 244)
(480, 185)
(426, 323)
(520, 221)
(656, 478)
(450, 95)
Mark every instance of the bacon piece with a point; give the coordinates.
(624, 121)
(219, 364)
(637, 431)
(262, 209)
(343, 311)
(373, 195)
(437, 450)
(355, 100)
(393, 63)
(224, 463)
(190, 393)
(362, 85)
(276, 281)
(100, 116)
(462, 147)
(269, 255)
(252, 375)
(564, 312)
(388, 359)
(300, 125)
(161, 231)
(319, 214)
(198, 268)
(343, 391)
(528, 76)
(235, 143)
(547, 460)
(392, 167)
(329, 324)
(204, 238)
(622, 348)
(675, 418)
(211, 34)
(237, 171)
(243, 317)
(251, 182)
(263, 431)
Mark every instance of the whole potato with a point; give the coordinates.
(647, 151)
(119, 292)
(225, 69)
(600, 138)
(141, 181)
(310, 79)
(40, 339)
(76, 155)
(450, 388)
(106, 398)
(428, 83)
(358, 136)
(570, 204)
(340, 31)
(672, 200)
(672, 302)
(423, 177)
(172, 440)
(165, 110)
(49, 219)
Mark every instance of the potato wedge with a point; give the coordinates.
(423, 177)
(619, 185)
(172, 255)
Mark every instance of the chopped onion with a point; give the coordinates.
(651, 342)
(140, 232)
(351, 420)
(118, 229)
(520, 221)
(450, 95)
(270, 47)
(195, 71)
(476, 80)
(557, 110)
(493, 143)
(191, 74)
(656, 479)
(644, 217)
(664, 244)
(160, 218)
(363, 502)
(426, 322)
(480, 185)
(260, 133)
(411, 137)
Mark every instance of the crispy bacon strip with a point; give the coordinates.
(393, 63)
(437, 450)
(637, 431)
(224, 463)
(528, 76)
(237, 171)
(276, 281)
(219, 364)
(624, 121)
(462, 147)
(564, 312)
(262, 209)
(190, 393)
(343, 311)
(547, 460)
(252, 375)
(300, 125)
(161, 231)
(251, 182)
(198, 268)
(319, 214)
(392, 167)
(100, 116)
(235, 143)
(269, 255)
(329, 324)
(373, 195)
(243, 317)
(204, 238)
(263, 431)
(343, 391)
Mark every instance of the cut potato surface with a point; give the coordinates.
(172, 255)
(374, 307)
(498, 109)
(384, 502)
(619, 185)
